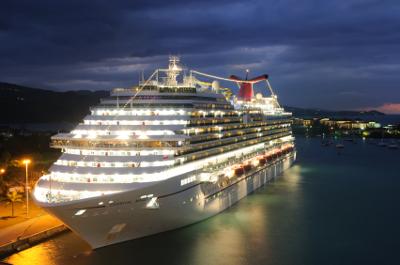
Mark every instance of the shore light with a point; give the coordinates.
(26, 162)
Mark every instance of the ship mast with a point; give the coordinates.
(173, 71)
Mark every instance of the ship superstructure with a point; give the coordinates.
(166, 153)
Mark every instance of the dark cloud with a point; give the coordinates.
(336, 54)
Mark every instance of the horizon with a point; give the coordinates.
(292, 106)
(331, 56)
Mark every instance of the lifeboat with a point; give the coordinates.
(239, 171)
(247, 167)
(262, 161)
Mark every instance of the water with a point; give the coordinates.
(329, 208)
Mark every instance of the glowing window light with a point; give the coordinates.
(58, 195)
(135, 122)
(153, 204)
(140, 112)
(146, 196)
(123, 135)
(80, 212)
(119, 152)
(92, 135)
(116, 164)
(142, 135)
(188, 180)
(174, 171)
(177, 170)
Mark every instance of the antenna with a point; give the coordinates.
(173, 70)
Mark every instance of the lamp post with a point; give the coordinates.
(26, 162)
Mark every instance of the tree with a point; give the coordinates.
(13, 197)
(5, 157)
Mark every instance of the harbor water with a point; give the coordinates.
(334, 206)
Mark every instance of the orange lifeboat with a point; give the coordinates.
(247, 167)
(239, 171)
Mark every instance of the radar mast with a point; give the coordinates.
(173, 71)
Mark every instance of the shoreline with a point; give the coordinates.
(36, 230)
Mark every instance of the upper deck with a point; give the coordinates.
(170, 124)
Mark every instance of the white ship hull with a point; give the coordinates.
(119, 217)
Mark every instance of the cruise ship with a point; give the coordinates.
(173, 150)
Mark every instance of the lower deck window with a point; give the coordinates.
(188, 180)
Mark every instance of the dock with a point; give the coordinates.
(28, 233)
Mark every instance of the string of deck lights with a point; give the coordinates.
(93, 135)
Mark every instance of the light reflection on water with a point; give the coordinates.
(54, 251)
(326, 209)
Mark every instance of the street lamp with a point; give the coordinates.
(26, 162)
(2, 171)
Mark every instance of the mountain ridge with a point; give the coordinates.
(314, 113)
(23, 104)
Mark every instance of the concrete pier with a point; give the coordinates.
(28, 233)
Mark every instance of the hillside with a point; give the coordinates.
(19, 104)
(314, 113)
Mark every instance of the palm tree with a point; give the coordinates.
(13, 197)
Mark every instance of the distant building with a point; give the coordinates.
(303, 122)
(6, 132)
(349, 124)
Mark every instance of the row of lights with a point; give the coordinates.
(138, 112)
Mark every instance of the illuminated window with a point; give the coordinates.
(188, 180)
(80, 212)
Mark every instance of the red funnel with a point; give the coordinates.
(246, 86)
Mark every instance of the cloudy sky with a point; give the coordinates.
(337, 54)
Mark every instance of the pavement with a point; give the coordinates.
(12, 228)
(7, 220)
(28, 228)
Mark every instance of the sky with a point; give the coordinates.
(337, 54)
